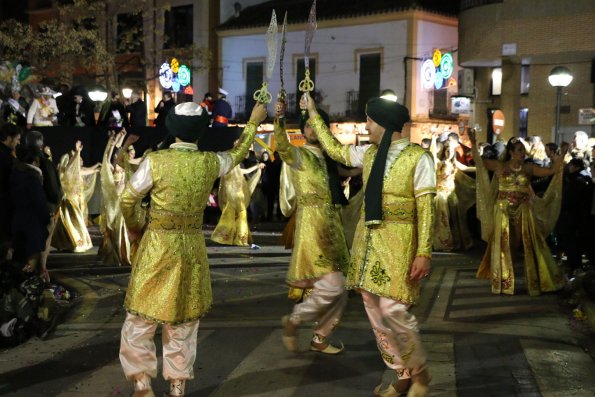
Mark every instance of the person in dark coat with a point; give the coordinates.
(163, 108)
(113, 113)
(138, 111)
(30, 216)
(221, 110)
(573, 224)
(51, 186)
(10, 137)
(79, 111)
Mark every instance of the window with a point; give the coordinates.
(301, 73)
(369, 80)
(496, 81)
(254, 76)
(178, 27)
(129, 33)
(525, 79)
(524, 122)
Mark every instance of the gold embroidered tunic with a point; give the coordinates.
(170, 279)
(319, 241)
(382, 255)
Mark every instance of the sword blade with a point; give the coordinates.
(310, 29)
(282, 55)
(271, 39)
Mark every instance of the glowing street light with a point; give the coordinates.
(559, 78)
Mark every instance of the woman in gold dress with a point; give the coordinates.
(455, 195)
(71, 232)
(115, 248)
(513, 217)
(234, 197)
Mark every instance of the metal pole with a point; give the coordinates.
(558, 96)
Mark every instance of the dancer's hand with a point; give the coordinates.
(280, 108)
(306, 102)
(259, 113)
(420, 268)
(78, 146)
(472, 135)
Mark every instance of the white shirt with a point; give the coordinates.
(425, 173)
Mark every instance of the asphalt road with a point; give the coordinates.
(478, 344)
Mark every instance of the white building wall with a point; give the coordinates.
(335, 51)
(431, 36)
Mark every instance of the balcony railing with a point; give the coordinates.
(243, 107)
(467, 4)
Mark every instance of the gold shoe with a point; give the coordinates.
(142, 386)
(329, 349)
(290, 342)
(394, 390)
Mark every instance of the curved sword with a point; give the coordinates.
(307, 85)
(282, 95)
(263, 95)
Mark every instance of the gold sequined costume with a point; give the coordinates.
(170, 279)
(319, 242)
(71, 231)
(455, 195)
(234, 197)
(115, 248)
(382, 255)
(509, 201)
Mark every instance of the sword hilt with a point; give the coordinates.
(306, 85)
(263, 95)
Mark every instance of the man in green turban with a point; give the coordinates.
(393, 240)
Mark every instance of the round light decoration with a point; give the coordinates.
(446, 65)
(428, 74)
(436, 73)
(437, 57)
(175, 65)
(175, 85)
(184, 75)
(166, 76)
(173, 76)
(438, 80)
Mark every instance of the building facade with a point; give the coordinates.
(356, 53)
(512, 46)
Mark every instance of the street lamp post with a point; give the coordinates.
(559, 78)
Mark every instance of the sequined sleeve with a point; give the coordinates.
(335, 149)
(139, 185)
(235, 155)
(425, 224)
(289, 153)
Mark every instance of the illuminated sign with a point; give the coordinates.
(436, 73)
(173, 76)
(184, 75)
(165, 75)
(428, 74)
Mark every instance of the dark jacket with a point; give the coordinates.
(30, 211)
(51, 183)
(84, 112)
(138, 114)
(162, 112)
(6, 160)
